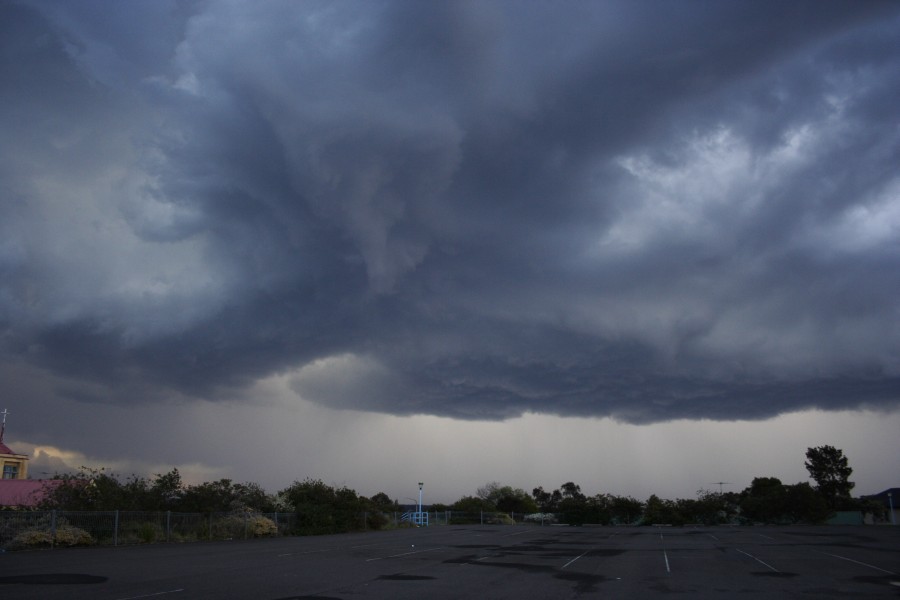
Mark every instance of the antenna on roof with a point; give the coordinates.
(720, 484)
(3, 425)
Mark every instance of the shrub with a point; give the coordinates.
(262, 527)
(66, 535)
(148, 532)
(239, 525)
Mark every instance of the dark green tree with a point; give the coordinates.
(383, 502)
(659, 511)
(547, 502)
(321, 508)
(573, 504)
(805, 505)
(625, 509)
(164, 491)
(828, 467)
(472, 504)
(92, 489)
(765, 500)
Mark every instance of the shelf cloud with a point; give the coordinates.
(647, 211)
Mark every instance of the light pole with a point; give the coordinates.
(891, 503)
(421, 485)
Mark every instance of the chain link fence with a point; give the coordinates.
(36, 529)
(21, 530)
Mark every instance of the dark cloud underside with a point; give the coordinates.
(648, 210)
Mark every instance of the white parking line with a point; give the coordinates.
(517, 533)
(857, 562)
(759, 561)
(153, 595)
(765, 536)
(574, 559)
(404, 554)
(712, 536)
(666, 556)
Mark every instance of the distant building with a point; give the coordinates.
(16, 490)
(25, 493)
(15, 466)
(890, 498)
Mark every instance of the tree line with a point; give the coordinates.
(321, 508)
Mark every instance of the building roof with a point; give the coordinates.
(4, 449)
(25, 492)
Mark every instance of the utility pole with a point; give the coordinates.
(3, 425)
(720, 484)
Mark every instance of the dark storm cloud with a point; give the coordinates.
(647, 210)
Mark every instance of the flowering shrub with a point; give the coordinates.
(238, 525)
(66, 535)
(262, 527)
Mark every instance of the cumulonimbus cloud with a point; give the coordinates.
(456, 208)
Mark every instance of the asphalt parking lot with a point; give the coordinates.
(479, 562)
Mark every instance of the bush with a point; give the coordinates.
(66, 535)
(262, 527)
(376, 520)
(148, 532)
(240, 525)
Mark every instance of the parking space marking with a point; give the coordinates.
(517, 533)
(574, 559)
(759, 561)
(666, 556)
(307, 552)
(153, 595)
(857, 562)
(404, 554)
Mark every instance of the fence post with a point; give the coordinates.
(210, 526)
(481, 517)
(277, 531)
(168, 524)
(52, 528)
(246, 524)
(116, 529)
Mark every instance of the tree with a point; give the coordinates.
(828, 467)
(625, 509)
(547, 502)
(765, 500)
(657, 510)
(472, 504)
(383, 502)
(92, 489)
(804, 505)
(571, 490)
(165, 491)
(573, 504)
(321, 508)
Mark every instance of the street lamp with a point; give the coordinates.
(421, 485)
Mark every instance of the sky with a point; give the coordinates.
(642, 246)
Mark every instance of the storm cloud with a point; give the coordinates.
(642, 210)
